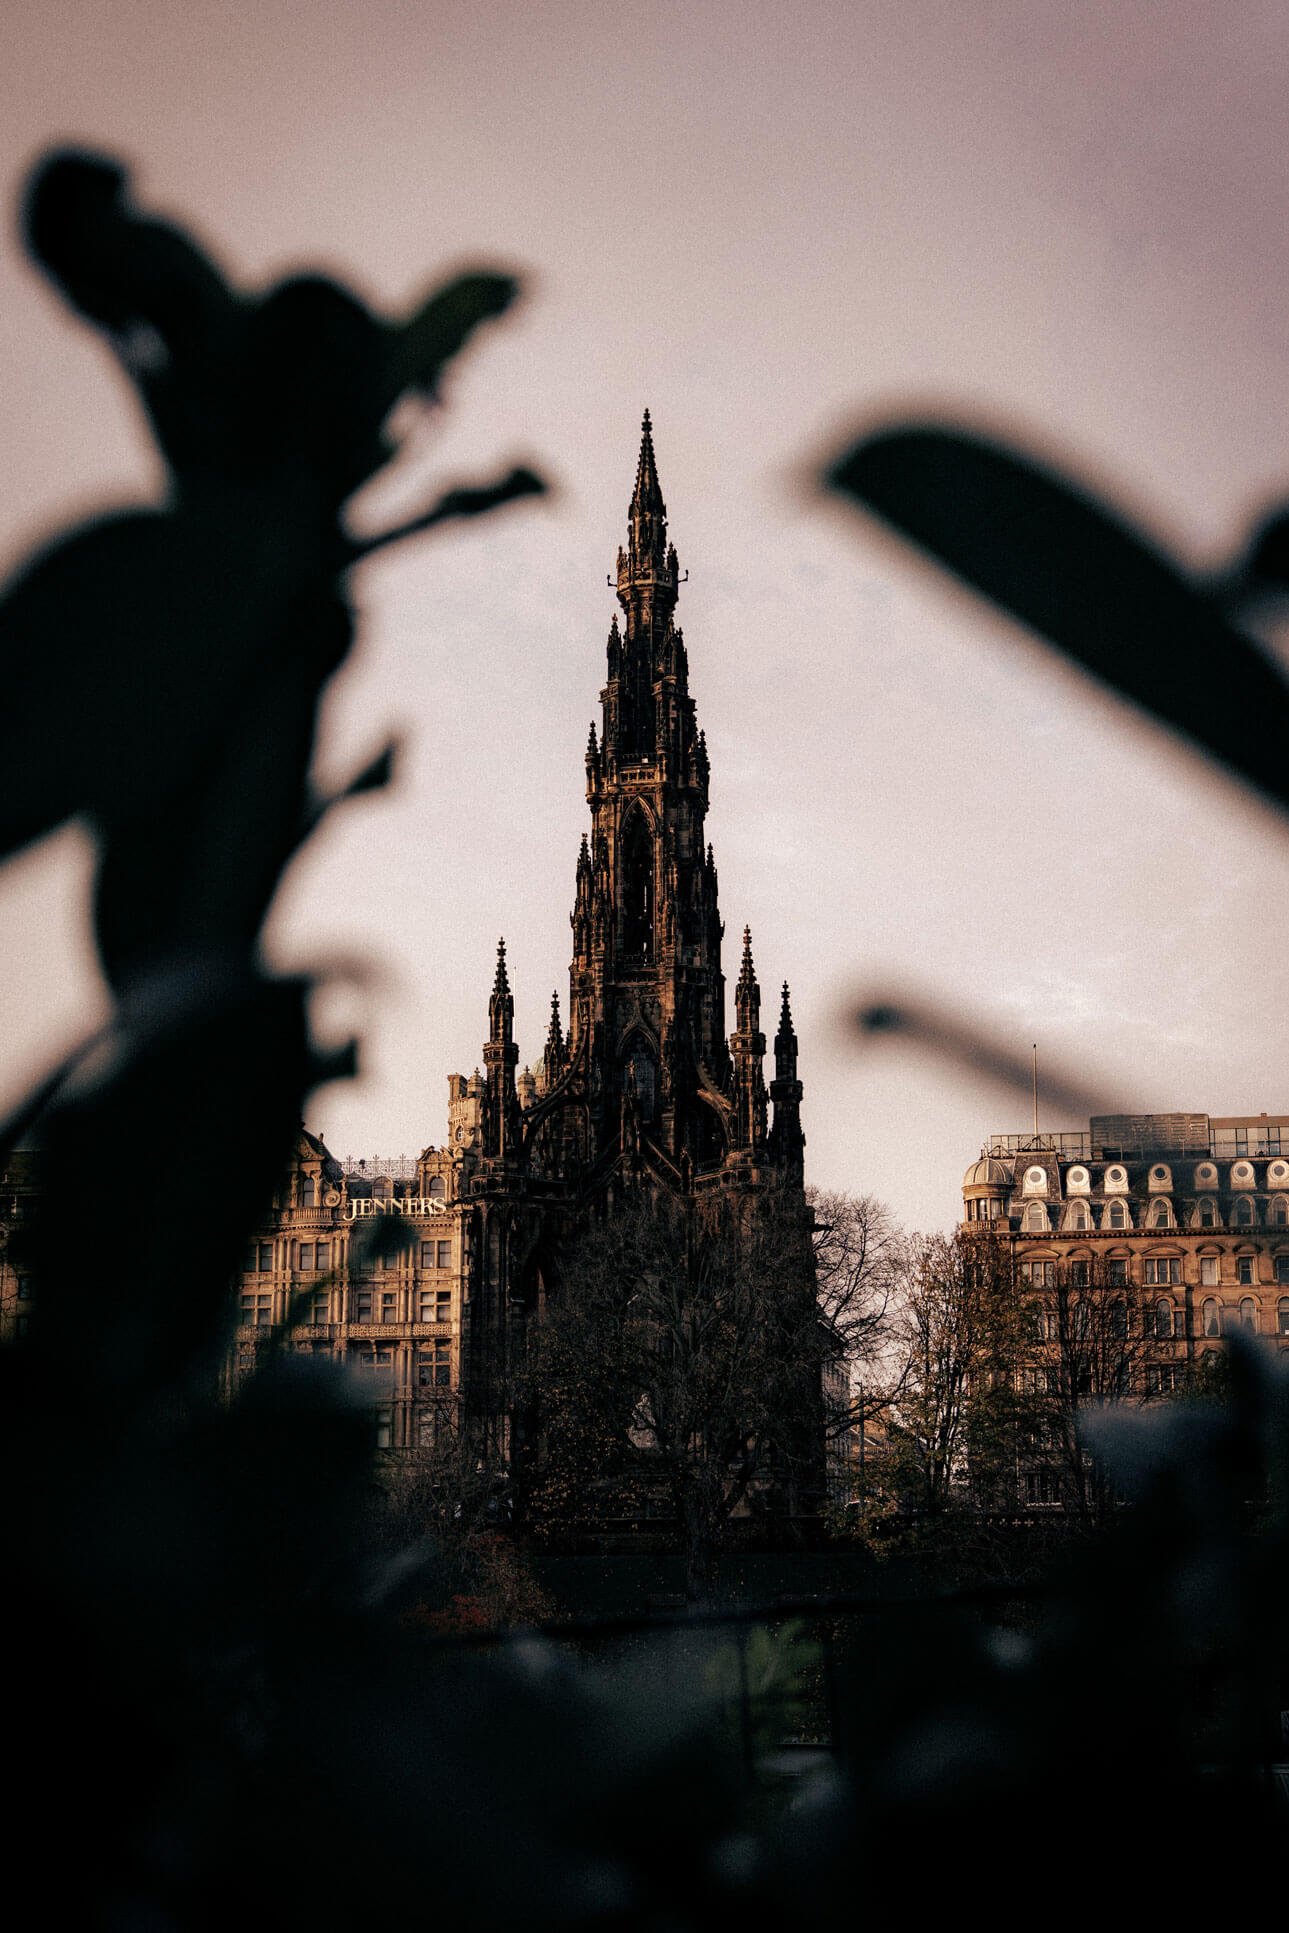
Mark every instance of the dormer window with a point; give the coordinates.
(1035, 1181)
(1077, 1181)
(1116, 1179)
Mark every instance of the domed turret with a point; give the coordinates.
(984, 1188)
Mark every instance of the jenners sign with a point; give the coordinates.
(396, 1205)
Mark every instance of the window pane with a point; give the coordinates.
(324, 1255)
(445, 1255)
(306, 1255)
(1208, 1271)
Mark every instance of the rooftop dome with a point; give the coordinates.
(987, 1173)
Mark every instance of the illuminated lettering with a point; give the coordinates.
(396, 1205)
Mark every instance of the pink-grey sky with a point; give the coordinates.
(768, 223)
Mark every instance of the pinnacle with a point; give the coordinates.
(785, 1015)
(501, 984)
(747, 974)
(648, 493)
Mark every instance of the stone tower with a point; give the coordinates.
(646, 1059)
(645, 1085)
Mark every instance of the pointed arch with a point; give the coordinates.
(639, 1062)
(637, 883)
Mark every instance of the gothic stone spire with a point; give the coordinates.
(500, 1058)
(787, 1142)
(747, 1051)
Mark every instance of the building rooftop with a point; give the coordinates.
(1119, 1137)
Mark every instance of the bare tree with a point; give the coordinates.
(958, 1329)
(445, 1499)
(1091, 1338)
(681, 1364)
(858, 1251)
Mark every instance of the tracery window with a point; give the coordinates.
(637, 890)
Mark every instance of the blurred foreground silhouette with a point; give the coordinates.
(218, 1700)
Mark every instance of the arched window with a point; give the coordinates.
(1160, 1176)
(1036, 1181)
(1117, 1215)
(1164, 1316)
(637, 889)
(1076, 1215)
(1206, 1213)
(1076, 1181)
(1212, 1317)
(1278, 1214)
(1249, 1314)
(642, 1079)
(1035, 1222)
(1161, 1214)
(1245, 1215)
(438, 1187)
(1282, 1316)
(308, 1191)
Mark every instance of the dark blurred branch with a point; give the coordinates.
(884, 1017)
(1069, 568)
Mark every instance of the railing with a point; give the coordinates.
(1067, 1143)
(380, 1167)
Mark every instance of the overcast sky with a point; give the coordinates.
(769, 224)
